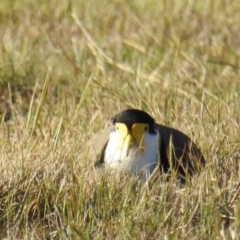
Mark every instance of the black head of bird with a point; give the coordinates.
(132, 127)
(140, 145)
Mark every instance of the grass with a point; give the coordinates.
(66, 67)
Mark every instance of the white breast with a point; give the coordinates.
(140, 163)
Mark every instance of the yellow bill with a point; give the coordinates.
(127, 138)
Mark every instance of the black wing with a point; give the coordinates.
(177, 151)
(100, 158)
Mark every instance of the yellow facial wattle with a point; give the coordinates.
(127, 138)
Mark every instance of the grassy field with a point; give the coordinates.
(66, 67)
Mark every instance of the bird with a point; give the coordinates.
(137, 144)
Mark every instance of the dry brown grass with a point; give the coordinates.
(66, 67)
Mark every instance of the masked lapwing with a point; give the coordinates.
(136, 143)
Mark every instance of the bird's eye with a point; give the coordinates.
(117, 128)
(146, 128)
